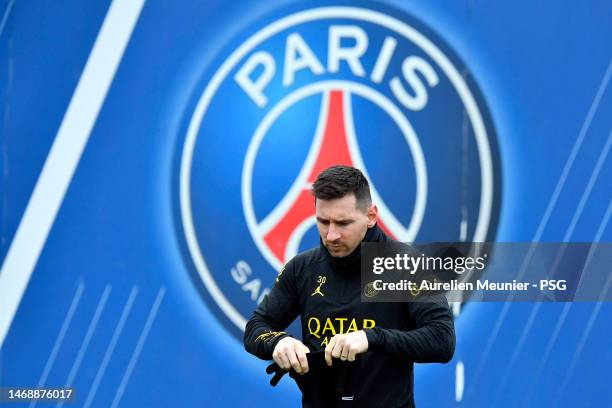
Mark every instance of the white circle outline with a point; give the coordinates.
(372, 16)
(320, 87)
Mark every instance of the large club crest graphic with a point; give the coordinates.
(279, 234)
(320, 87)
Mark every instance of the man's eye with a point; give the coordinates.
(323, 222)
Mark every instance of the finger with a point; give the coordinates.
(293, 360)
(306, 351)
(301, 356)
(328, 351)
(343, 349)
(282, 361)
(337, 351)
(352, 353)
(344, 353)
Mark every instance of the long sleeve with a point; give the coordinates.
(272, 316)
(432, 340)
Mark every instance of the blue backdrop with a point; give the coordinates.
(125, 304)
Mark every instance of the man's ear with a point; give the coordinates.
(372, 215)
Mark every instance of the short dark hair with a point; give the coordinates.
(339, 181)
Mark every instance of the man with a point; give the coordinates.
(376, 344)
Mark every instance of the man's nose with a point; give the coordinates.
(332, 233)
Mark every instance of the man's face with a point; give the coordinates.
(342, 225)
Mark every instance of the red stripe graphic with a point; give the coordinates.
(334, 150)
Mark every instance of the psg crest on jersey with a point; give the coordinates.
(369, 87)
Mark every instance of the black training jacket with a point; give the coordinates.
(325, 292)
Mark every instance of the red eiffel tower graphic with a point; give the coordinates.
(333, 150)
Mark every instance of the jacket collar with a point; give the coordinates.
(352, 262)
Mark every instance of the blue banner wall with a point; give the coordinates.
(154, 155)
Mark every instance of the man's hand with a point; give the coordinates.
(289, 353)
(346, 346)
